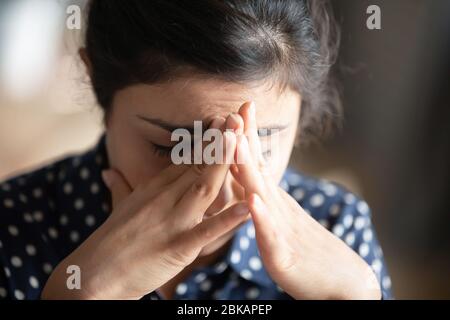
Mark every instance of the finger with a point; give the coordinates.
(201, 142)
(245, 170)
(248, 114)
(271, 237)
(295, 210)
(266, 229)
(117, 185)
(288, 199)
(174, 171)
(218, 123)
(179, 186)
(211, 137)
(213, 228)
(200, 186)
(166, 177)
(235, 123)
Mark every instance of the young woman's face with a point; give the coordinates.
(143, 116)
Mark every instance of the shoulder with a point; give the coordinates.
(38, 189)
(36, 199)
(28, 205)
(25, 202)
(38, 216)
(31, 192)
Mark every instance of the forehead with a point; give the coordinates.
(187, 99)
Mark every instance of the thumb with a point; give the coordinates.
(117, 184)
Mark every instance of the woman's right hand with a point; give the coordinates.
(153, 233)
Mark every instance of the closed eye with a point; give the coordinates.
(161, 151)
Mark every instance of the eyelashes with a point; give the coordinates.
(161, 151)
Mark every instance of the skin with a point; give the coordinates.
(295, 249)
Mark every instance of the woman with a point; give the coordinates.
(122, 221)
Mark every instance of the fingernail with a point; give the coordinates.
(234, 121)
(217, 123)
(241, 209)
(107, 178)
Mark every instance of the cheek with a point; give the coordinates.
(278, 164)
(132, 156)
(279, 157)
(143, 168)
(282, 154)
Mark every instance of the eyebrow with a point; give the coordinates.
(264, 131)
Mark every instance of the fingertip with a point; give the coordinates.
(235, 122)
(248, 114)
(217, 123)
(241, 209)
(234, 170)
(246, 106)
(107, 177)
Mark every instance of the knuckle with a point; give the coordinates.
(176, 258)
(287, 262)
(202, 189)
(204, 232)
(143, 212)
(154, 203)
(160, 201)
(148, 209)
(163, 198)
(179, 255)
(172, 223)
(199, 169)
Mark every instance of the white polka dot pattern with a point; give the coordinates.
(48, 213)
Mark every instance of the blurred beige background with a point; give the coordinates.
(61, 118)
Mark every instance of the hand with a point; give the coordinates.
(301, 256)
(153, 233)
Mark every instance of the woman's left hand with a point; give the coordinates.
(301, 256)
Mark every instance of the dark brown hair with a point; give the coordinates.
(290, 42)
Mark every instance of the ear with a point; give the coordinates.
(87, 62)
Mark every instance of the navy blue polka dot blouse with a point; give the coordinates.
(47, 213)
